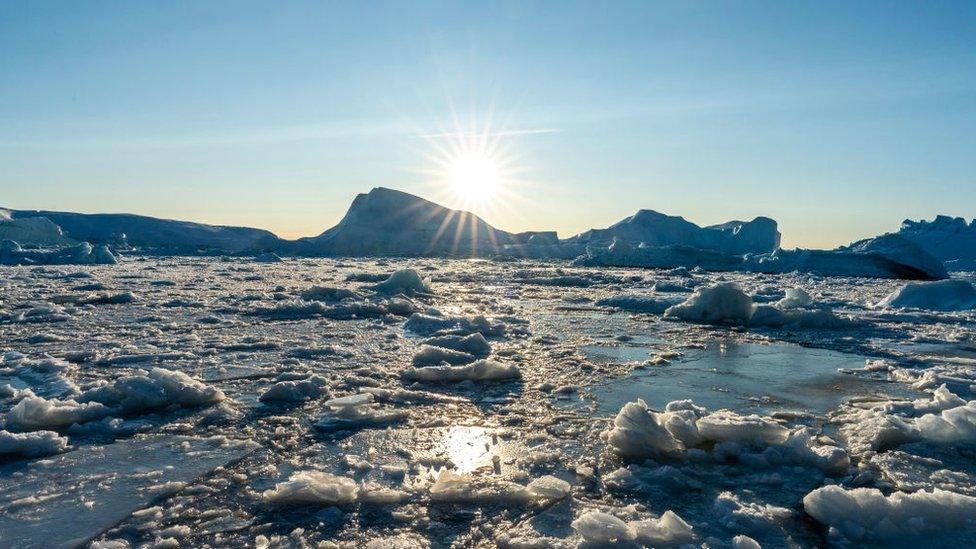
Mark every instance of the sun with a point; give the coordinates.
(474, 176)
(472, 168)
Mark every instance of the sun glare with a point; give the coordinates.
(473, 168)
(474, 176)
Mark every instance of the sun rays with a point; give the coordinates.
(472, 166)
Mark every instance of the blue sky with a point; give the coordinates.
(837, 119)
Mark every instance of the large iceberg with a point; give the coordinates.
(655, 229)
(887, 256)
(34, 231)
(12, 253)
(135, 230)
(389, 222)
(949, 239)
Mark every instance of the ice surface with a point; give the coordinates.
(429, 354)
(355, 412)
(598, 527)
(739, 423)
(637, 304)
(795, 298)
(296, 390)
(451, 487)
(723, 303)
(75, 496)
(474, 344)
(268, 257)
(639, 432)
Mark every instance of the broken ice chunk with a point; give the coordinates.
(482, 370)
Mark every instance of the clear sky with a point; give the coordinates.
(837, 119)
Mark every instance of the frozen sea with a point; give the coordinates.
(222, 402)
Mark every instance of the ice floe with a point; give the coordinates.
(357, 411)
(297, 390)
(867, 514)
(480, 370)
(942, 295)
(313, 487)
(404, 281)
(726, 303)
(639, 432)
(598, 527)
(155, 389)
(34, 444)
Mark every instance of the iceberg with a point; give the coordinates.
(12, 253)
(949, 239)
(654, 229)
(389, 222)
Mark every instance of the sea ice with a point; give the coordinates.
(637, 303)
(35, 444)
(429, 354)
(296, 390)
(474, 344)
(481, 370)
(313, 487)
(866, 514)
(404, 281)
(356, 412)
(942, 295)
(725, 303)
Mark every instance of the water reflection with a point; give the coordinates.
(471, 448)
